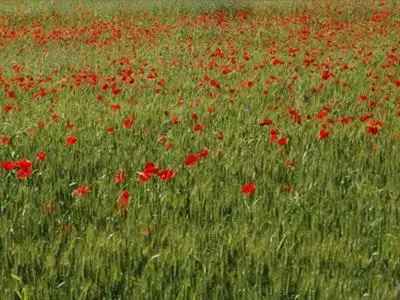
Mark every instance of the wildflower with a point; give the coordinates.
(8, 165)
(24, 173)
(283, 141)
(23, 164)
(123, 200)
(323, 134)
(128, 122)
(120, 177)
(191, 160)
(81, 191)
(166, 174)
(248, 189)
(41, 156)
(71, 140)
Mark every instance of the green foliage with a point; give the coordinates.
(323, 222)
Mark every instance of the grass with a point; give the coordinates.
(323, 221)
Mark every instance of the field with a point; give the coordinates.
(199, 150)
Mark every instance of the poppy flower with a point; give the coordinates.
(120, 177)
(326, 74)
(215, 83)
(8, 165)
(198, 128)
(203, 153)
(149, 170)
(24, 173)
(81, 191)
(265, 122)
(5, 140)
(123, 200)
(23, 164)
(273, 135)
(191, 160)
(283, 141)
(248, 189)
(323, 134)
(115, 107)
(143, 177)
(374, 126)
(71, 140)
(166, 174)
(128, 122)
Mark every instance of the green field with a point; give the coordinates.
(199, 149)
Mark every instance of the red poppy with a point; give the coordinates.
(149, 170)
(323, 134)
(120, 177)
(115, 106)
(23, 164)
(123, 200)
(283, 141)
(265, 122)
(374, 126)
(128, 122)
(71, 140)
(191, 159)
(81, 191)
(198, 128)
(5, 140)
(166, 174)
(273, 135)
(203, 153)
(24, 173)
(215, 83)
(143, 177)
(326, 74)
(248, 189)
(8, 165)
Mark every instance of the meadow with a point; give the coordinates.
(199, 149)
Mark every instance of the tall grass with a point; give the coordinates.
(323, 221)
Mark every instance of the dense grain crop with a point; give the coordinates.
(199, 150)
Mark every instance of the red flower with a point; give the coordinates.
(81, 191)
(71, 140)
(198, 128)
(265, 122)
(8, 165)
(120, 177)
(323, 134)
(283, 141)
(149, 170)
(5, 140)
(203, 153)
(143, 177)
(374, 126)
(191, 159)
(326, 75)
(166, 174)
(23, 164)
(123, 200)
(248, 189)
(128, 122)
(215, 83)
(110, 130)
(24, 173)
(273, 135)
(115, 106)
(41, 155)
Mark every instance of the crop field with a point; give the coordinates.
(199, 149)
